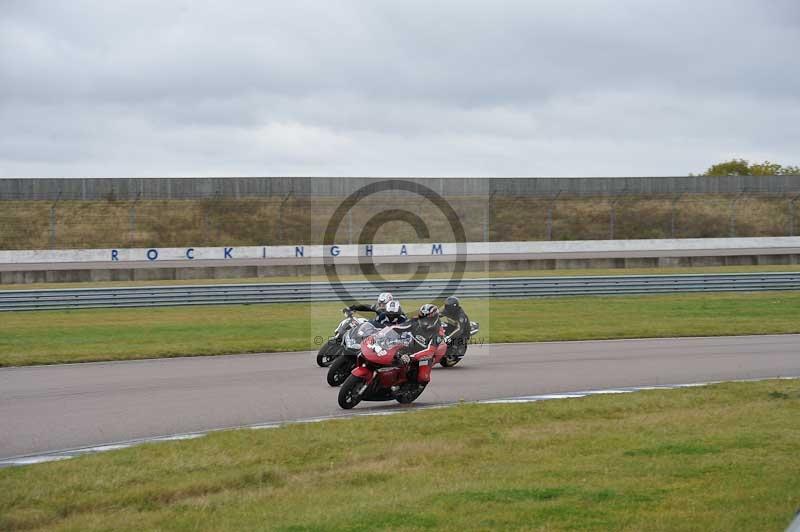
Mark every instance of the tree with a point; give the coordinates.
(732, 167)
(742, 167)
(790, 170)
(765, 168)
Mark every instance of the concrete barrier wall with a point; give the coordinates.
(235, 187)
(410, 252)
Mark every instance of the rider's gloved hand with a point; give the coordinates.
(405, 359)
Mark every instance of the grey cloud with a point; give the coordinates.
(395, 88)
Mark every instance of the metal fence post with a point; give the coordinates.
(674, 215)
(734, 201)
(218, 200)
(281, 232)
(350, 226)
(487, 216)
(53, 221)
(132, 220)
(53, 226)
(612, 222)
(792, 220)
(551, 207)
(486, 222)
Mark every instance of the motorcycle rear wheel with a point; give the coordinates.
(348, 393)
(453, 356)
(327, 353)
(411, 395)
(339, 369)
(448, 361)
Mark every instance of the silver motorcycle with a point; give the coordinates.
(331, 349)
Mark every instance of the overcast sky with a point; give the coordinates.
(396, 88)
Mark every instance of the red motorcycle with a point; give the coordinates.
(377, 375)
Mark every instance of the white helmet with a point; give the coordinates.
(383, 299)
(393, 309)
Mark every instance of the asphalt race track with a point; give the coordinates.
(48, 408)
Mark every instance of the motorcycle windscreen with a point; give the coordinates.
(357, 334)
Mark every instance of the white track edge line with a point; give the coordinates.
(64, 454)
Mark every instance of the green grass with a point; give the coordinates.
(722, 457)
(118, 334)
(468, 275)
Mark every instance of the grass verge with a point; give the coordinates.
(437, 275)
(722, 457)
(119, 334)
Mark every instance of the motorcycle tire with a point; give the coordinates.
(348, 393)
(339, 369)
(453, 356)
(327, 353)
(448, 361)
(411, 395)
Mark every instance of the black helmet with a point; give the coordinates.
(429, 316)
(451, 306)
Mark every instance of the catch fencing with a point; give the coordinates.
(294, 219)
(163, 296)
(131, 189)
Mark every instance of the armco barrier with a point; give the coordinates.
(161, 296)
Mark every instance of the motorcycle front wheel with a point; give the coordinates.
(327, 353)
(340, 369)
(349, 395)
(410, 395)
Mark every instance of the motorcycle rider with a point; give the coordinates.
(457, 326)
(378, 307)
(424, 330)
(392, 315)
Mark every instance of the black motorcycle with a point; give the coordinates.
(331, 349)
(346, 361)
(457, 347)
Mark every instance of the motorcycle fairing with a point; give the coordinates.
(362, 372)
(424, 372)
